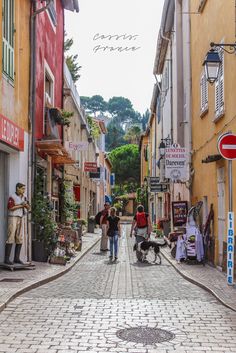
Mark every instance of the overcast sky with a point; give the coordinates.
(127, 70)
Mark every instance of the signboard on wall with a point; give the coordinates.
(76, 146)
(179, 213)
(90, 167)
(11, 134)
(176, 163)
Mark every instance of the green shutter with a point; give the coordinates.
(8, 38)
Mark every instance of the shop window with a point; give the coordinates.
(204, 93)
(8, 38)
(55, 207)
(219, 89)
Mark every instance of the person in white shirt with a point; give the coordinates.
(17, 208)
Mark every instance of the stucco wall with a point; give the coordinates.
(14, 98)
(50, 49)
(208, 27)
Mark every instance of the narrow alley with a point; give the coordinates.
(122, 307)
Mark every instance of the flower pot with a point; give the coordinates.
(39, 253)
(91, 225)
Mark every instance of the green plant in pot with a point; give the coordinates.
(45, 227)
(69, 205)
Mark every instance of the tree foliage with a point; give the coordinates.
(71, 60)
(115, 136)
(126, 164)
(133, 135)
(95, 104)
(125, 123)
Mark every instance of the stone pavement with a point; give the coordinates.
(100, 307)
(43, 272)
(207, 277)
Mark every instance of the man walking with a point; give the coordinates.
(103, 224)
(17, 206)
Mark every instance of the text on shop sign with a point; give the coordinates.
(230, 248)
(11, 134)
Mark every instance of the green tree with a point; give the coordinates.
(71, 60)
(126, 164)
(95, 104)
(144, 119)
(133, 135)
(121, 109)
(115, 136)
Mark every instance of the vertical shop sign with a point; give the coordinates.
(230, 249)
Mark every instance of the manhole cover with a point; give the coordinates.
(12, 280)
(145, 335)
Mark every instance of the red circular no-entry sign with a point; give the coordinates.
(227, 146)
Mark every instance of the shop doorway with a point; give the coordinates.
(221, 212)
(3, 202)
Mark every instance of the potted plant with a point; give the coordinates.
(61, 117)
(91, 224)
(44, 226)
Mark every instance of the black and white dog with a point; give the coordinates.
(145, 246)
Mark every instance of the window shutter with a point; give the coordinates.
(219, 88)
(8, 38)
(203, 93)
(52, 12)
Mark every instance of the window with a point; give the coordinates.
(48, 92)
(165, 79)
(204, 93)
(52, 12)
(219, 89)
(8, 38)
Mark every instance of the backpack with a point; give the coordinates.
(141, 219)
(97, 217)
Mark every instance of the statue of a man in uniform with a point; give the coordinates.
(17, 208)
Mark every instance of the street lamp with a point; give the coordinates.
(162, 148)
(212, 60)
(212, 64)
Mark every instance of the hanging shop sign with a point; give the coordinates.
(95, 175)
(179, 213)
(76, 146)
(11, 134)
(90, 167)
(156, 186)
(176, 163)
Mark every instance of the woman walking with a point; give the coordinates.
(113, 232)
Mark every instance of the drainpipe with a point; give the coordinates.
(32, 102)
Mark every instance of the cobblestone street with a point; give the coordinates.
(87, 309)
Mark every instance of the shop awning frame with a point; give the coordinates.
(55, 150)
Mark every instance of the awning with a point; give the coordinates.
(54, 149)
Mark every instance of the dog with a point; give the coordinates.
(145, 246)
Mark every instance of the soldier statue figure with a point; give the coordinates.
(17, 208)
